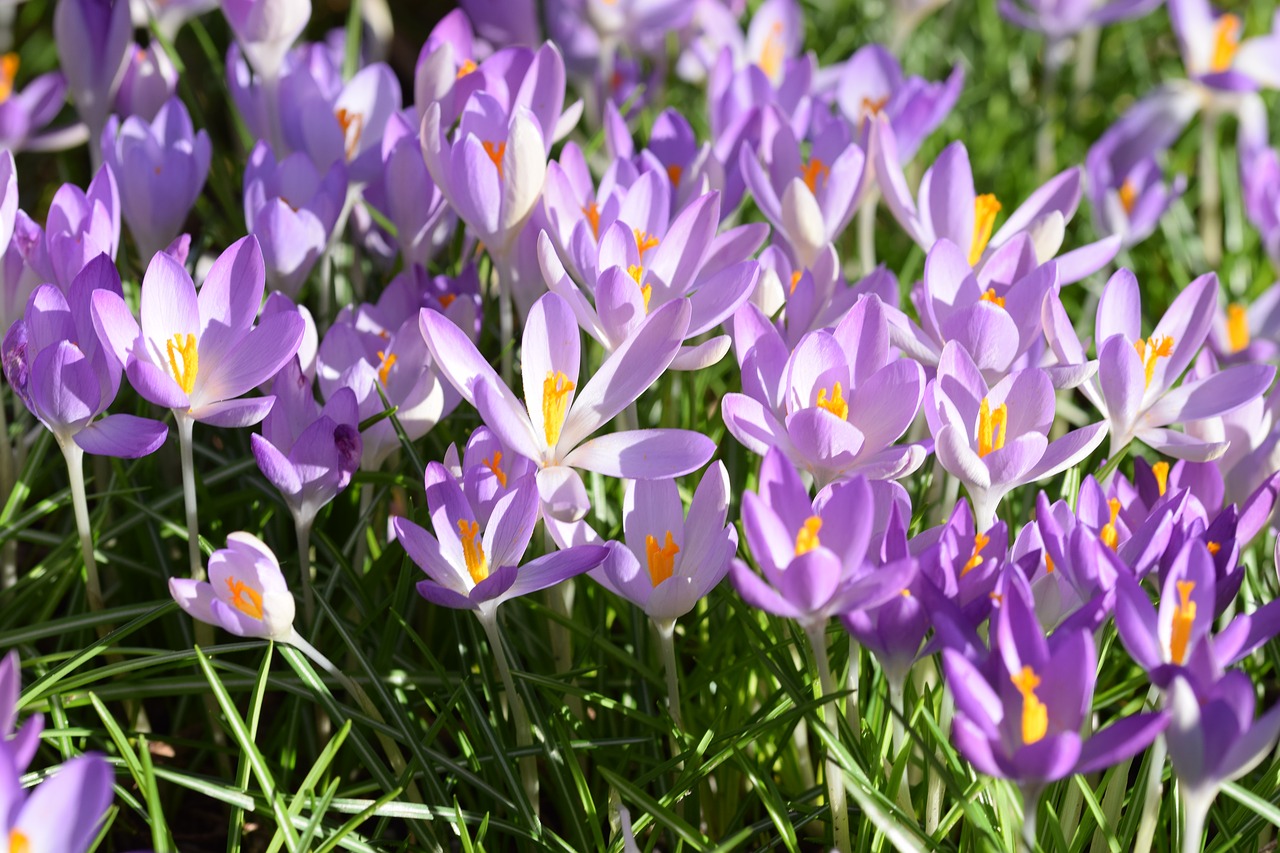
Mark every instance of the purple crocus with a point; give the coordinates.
(1018, 717)
(553, 424)
(478, 569)
(994, 439)
(836, 406)
(80, 226)
(307, 452)
(265, 29)
(161, 166)
(64, 813)
(245, 595)
(1134, 385)
(1214, 53)
(19, 744)
(26, 112)
(488, 471)
(199, 355)
(414, 203)
(1059, 20)
(1260, 179)
(93, 38)
(149, 81)
(291, 207)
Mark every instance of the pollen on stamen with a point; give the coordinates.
(385, 362)
(1128, 195)
(1035, 715)
(493, 464)
(1237, 327)
(184, 348)
(555, 404)
(1226, 41)
(807, 538)
(771, 53)
(495, 152)
(9, 64)
(835, 404)
(980, 541)
(646, 290)
(661, 558)
(251, 606)
(814, 170)
(985, 208)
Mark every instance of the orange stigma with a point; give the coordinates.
(9, 63)
(1128, 195)
(1035, 716)
(592, 212)
(473, 550)
(812, 172)
(1183, 620)
(644, 242)
(1161, 472)
(1150, 350)
(661, 558)
(495, 152)
(980, 541)
(467, 66)
(1237, 327)
(795, 279)
(675, 172)
(251, 606)
(990, 296)
(385, 362)
(1226, 40)
(492, 463)
(1109, 535)
(352, 125)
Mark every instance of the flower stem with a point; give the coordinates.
(1045, 149)
(75, 472)
(186, 425)
(506, 318)
(1210, 190)
(853, 712)
(666, 641)
(867, 232)
(303, 529)
(1030, 805)
(519, 715)
(1195, 807)
(1151, 801)
(9, 567)
(834, 773)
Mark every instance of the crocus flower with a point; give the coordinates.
(55, 364)
(149, 81)
(161, 167)
(348, 127)
(291, 207)
(93, 39)
(1019, 716)
(1260, 179)
(1214, 53)
(994, 439)
(1134, 385)
(837, 405)
(553, 424)
(80, 226)
(488, 471)
(19, 744)
(198, 355)
(63, 814)
(415, 204)
(25, 113)
(949, 208)
(813, 554)
(246, 593)
(265, 29)
(307, 452)
(474, 569)
(445, 63)
(170, 15)
(1059, 21)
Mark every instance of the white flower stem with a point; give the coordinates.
(1195, 808)
(186, 425)
(506, 317)
(853, 712)
(896, 702)
(8, 477)
(1030, 805)
(389, 746)
(667, 642)
(867, 232)
(1210, 190)
(303, 529)
(519, 715)
(834, 773)
(1045, 148)
(75, 473)
(1151, 802)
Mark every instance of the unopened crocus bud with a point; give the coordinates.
(266, 29)
(246, 593)
(93, 39)
(149, 80)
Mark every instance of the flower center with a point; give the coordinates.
(8, 74)
(1226, 40)
(646, 290)
(814, 170)
(1150, 350)
(836, 405)
(183, 348)
(991, 427)
(1161, 472)
(555, 402)
(1183, 618)
(985, 208)
(1035, 716)
(873, 106)
(447, 299)
(1237, 327)
(990, 296)
(1048, 563)
(385, 362)
(771, 54)
(592, 212)
(495, 150)
(807, 538)
(467, 66)
(1109, 535)
(661, 558)
(644, 242)
(473, 550)
(675, 172)
(352, 124)
(980, 541)
(1128, 195)
(18, 842)
(1213, 548)
(250, 606)
(795, 279)
(492, 463)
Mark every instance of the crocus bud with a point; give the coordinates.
(149, 80)
(266, 29)
(92, 38)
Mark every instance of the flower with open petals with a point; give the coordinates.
(63, 814)
(246, 593)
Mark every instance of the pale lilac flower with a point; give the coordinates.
(19, 744)
(149, 81)
(93, 39)
(63, 814)
(1214, 52)
(1061, 20)
(245, 595)
(80, 226)
(265, 30)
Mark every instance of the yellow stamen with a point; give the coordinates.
(1237, 327)
(473, 550)
(980, 541)
(646, 290)
(385, 363)
(592, 212)
(1226, 40)
(352, 124)
(1035, 716)
(495, 152)
(814, 170)
(991, 427)
(795, 279)
(985, 208)
(467, 66)
(644, 242)
(1161, 472)
(1109, 535)
(906, 593)
(990, 296)
(807, 538)
(555, 403)
(771, 54)
(1183, 618)
(1151, 349)
(184, 347)
(1214, 548)
(1128, 195)
(492, 465)
(675, 172)
(252, 606)
(8, 74)
(836, 405)
(18, 842)
(661, 559)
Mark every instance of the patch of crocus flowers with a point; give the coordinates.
(629, 270)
